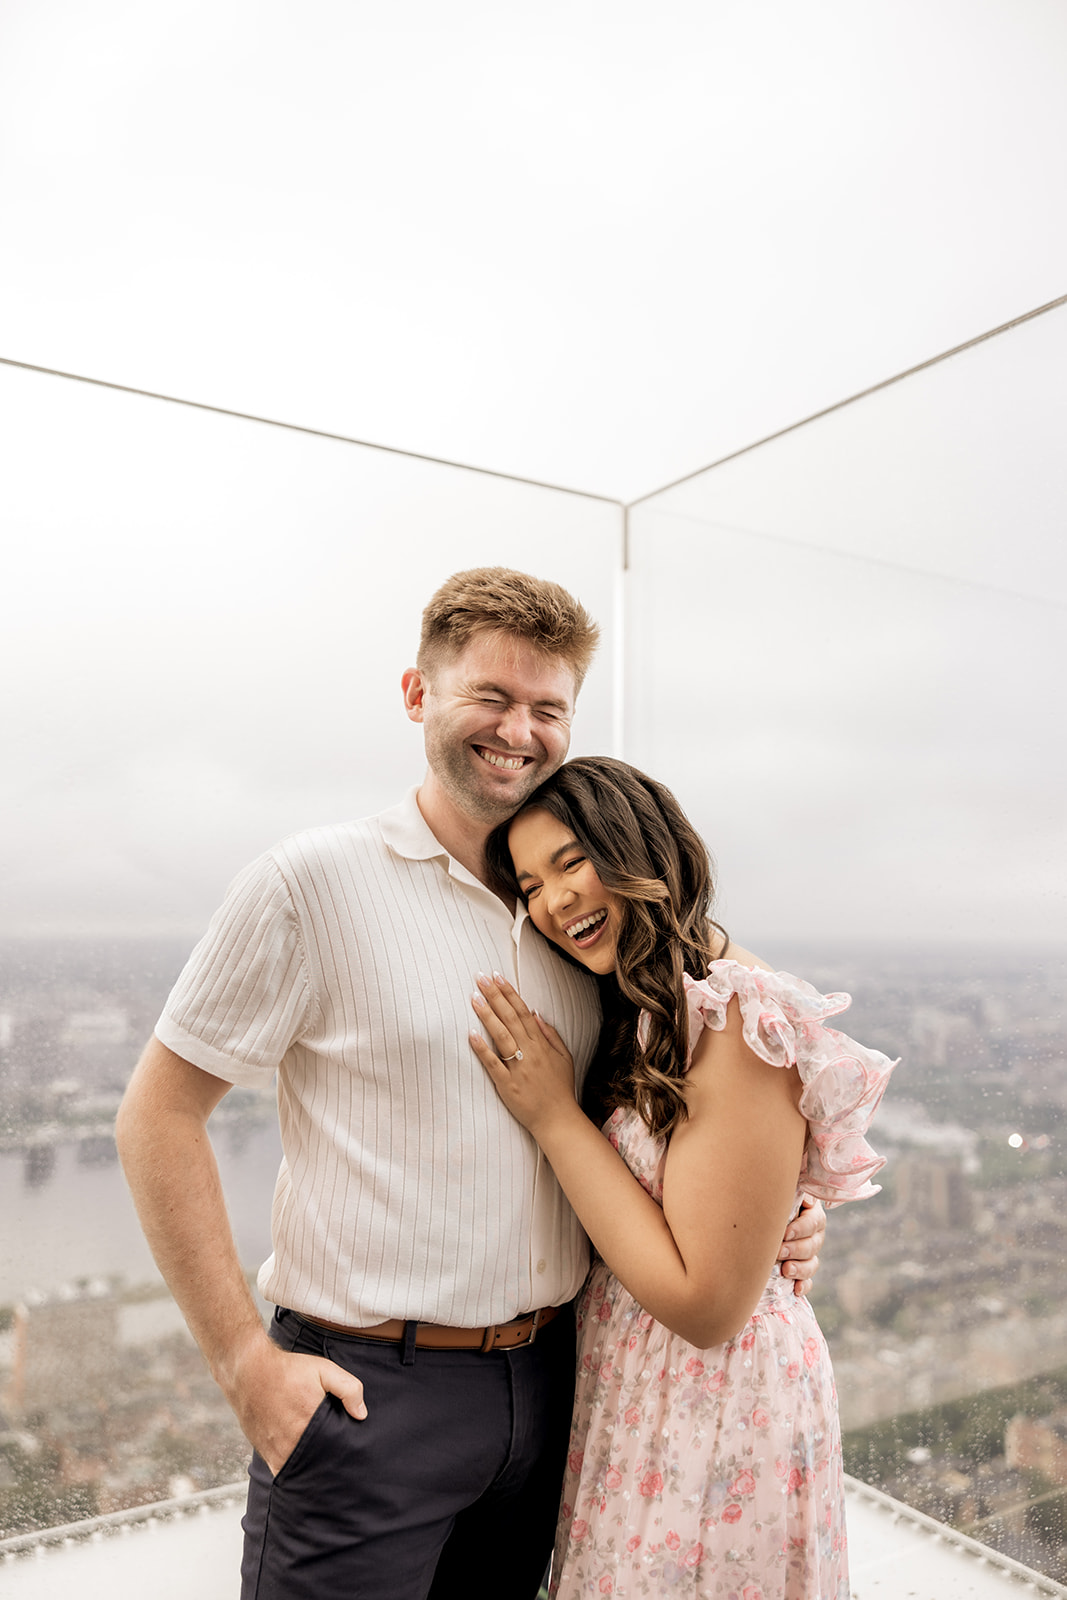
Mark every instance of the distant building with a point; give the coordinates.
(938, 1035)
(7, 1036)
(66, 1349)
(1038, 1444)
(863, 1289)
(933, 1191)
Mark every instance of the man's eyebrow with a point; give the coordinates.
(505, 694)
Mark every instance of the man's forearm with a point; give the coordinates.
(174, 1179)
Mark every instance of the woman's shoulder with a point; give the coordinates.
(785, 1022)
(764, 992)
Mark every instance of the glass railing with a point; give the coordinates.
(866, 624)
(839, 648)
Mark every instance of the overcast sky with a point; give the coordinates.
(882, 603)
(601, 245)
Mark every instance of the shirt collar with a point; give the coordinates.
(406, 831)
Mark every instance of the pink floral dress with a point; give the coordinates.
(717, 1473)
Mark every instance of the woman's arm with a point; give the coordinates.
(699, 1263)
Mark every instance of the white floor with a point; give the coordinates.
(193, 1548)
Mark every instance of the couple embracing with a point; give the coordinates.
(503, 1025)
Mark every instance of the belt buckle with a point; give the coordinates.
(533, 1328)
(493, 1331)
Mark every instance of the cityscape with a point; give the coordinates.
(941, 1297)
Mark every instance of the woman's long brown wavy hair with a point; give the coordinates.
(646, 851)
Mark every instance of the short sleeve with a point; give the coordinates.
(244, 994)
(785, 1024)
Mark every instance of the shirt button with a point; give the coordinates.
(541, 1265)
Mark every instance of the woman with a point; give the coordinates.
(705, 1454)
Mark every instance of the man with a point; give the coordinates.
(409, 1409)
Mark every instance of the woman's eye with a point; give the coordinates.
(576, 862)
(530, 891)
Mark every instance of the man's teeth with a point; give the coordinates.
(578, 928)
(509, 763)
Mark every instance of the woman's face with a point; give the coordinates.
(566, 900)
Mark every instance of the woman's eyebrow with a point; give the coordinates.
(572, 844)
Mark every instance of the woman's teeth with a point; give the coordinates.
(586, 925)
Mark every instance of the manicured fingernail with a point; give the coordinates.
(499, 977)
(476, 1000)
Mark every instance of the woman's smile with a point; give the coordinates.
(564, 895)
(587, 930)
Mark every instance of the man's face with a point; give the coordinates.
(497, 722)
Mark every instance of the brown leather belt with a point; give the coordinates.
(430, 1336)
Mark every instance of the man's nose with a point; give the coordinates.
(514, 726)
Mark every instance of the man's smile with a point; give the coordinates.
(496, 759)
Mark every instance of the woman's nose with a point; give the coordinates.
(560, 899)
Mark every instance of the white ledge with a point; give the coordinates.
(193, 1544)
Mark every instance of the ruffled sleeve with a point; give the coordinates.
(784, 1023)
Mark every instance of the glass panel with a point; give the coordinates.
(206, 620)
(846, 651)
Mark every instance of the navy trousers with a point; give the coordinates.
(450, 1487)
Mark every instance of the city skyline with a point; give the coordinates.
(940, 1290)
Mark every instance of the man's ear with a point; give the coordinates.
(414, 687)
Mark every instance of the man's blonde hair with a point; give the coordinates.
(499, 600)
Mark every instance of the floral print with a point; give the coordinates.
(716, 1474)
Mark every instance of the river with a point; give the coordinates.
(67, 1215)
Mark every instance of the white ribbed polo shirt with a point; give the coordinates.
(344, 959)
